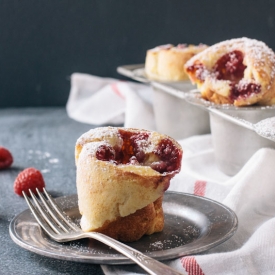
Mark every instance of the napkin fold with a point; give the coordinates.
(100, 101)
(250, 193)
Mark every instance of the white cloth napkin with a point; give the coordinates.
(98, 101)
(250, 193)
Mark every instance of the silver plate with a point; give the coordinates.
(192, 224)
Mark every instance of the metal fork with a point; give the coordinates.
(62, 229)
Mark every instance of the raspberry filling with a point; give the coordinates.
(245, 90)
(105, 153)
(197, 71)
(164, 158)
(229, 67)
(168, 154)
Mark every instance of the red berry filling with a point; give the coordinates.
(245, 90)
(169, 156)
(132, 152)
(132, 146)
(105, 153)
(198, 71)
(229, 67)
(137, 142)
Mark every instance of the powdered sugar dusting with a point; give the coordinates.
(90, 149)
(109, 134)
(188, 235)
(38, 154)
(44, 171)
(53, 160)
(258, 50)
(257, 65)
(266, 128)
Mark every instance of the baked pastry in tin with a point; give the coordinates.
(165, 63)
(239, 71)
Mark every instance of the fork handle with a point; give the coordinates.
(150, 265)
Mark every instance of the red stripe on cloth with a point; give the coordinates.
(191, 266)
(116, 90)
(199, 188)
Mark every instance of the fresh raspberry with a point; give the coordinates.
(29, 178)
(6, 158)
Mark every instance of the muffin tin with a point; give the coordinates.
(233, 143)
(174, 116)
(181, 113)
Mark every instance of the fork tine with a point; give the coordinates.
(38, 217)
(50, 211)
(44, 214)
(66, 219)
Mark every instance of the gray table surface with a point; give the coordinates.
(43, 138)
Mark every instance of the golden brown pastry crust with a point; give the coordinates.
(166, 62)
(120, 200)
(251, 80)
(150, 219)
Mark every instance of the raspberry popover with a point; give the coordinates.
(165, 63)
(239, 71)
(121, 175)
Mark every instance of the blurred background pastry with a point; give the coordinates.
(166, 62)
(238, 71)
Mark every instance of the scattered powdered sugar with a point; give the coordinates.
(90, 149)
(109, 134)
(243, 122)
(36, 156)
(172, 242)
(53, 160)
(147, 146)
(191, 232)
(158, 245)
(81, 247)
(44, 171)
(255, 48)
(220, 218)
(266, 128)
(187, 235)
